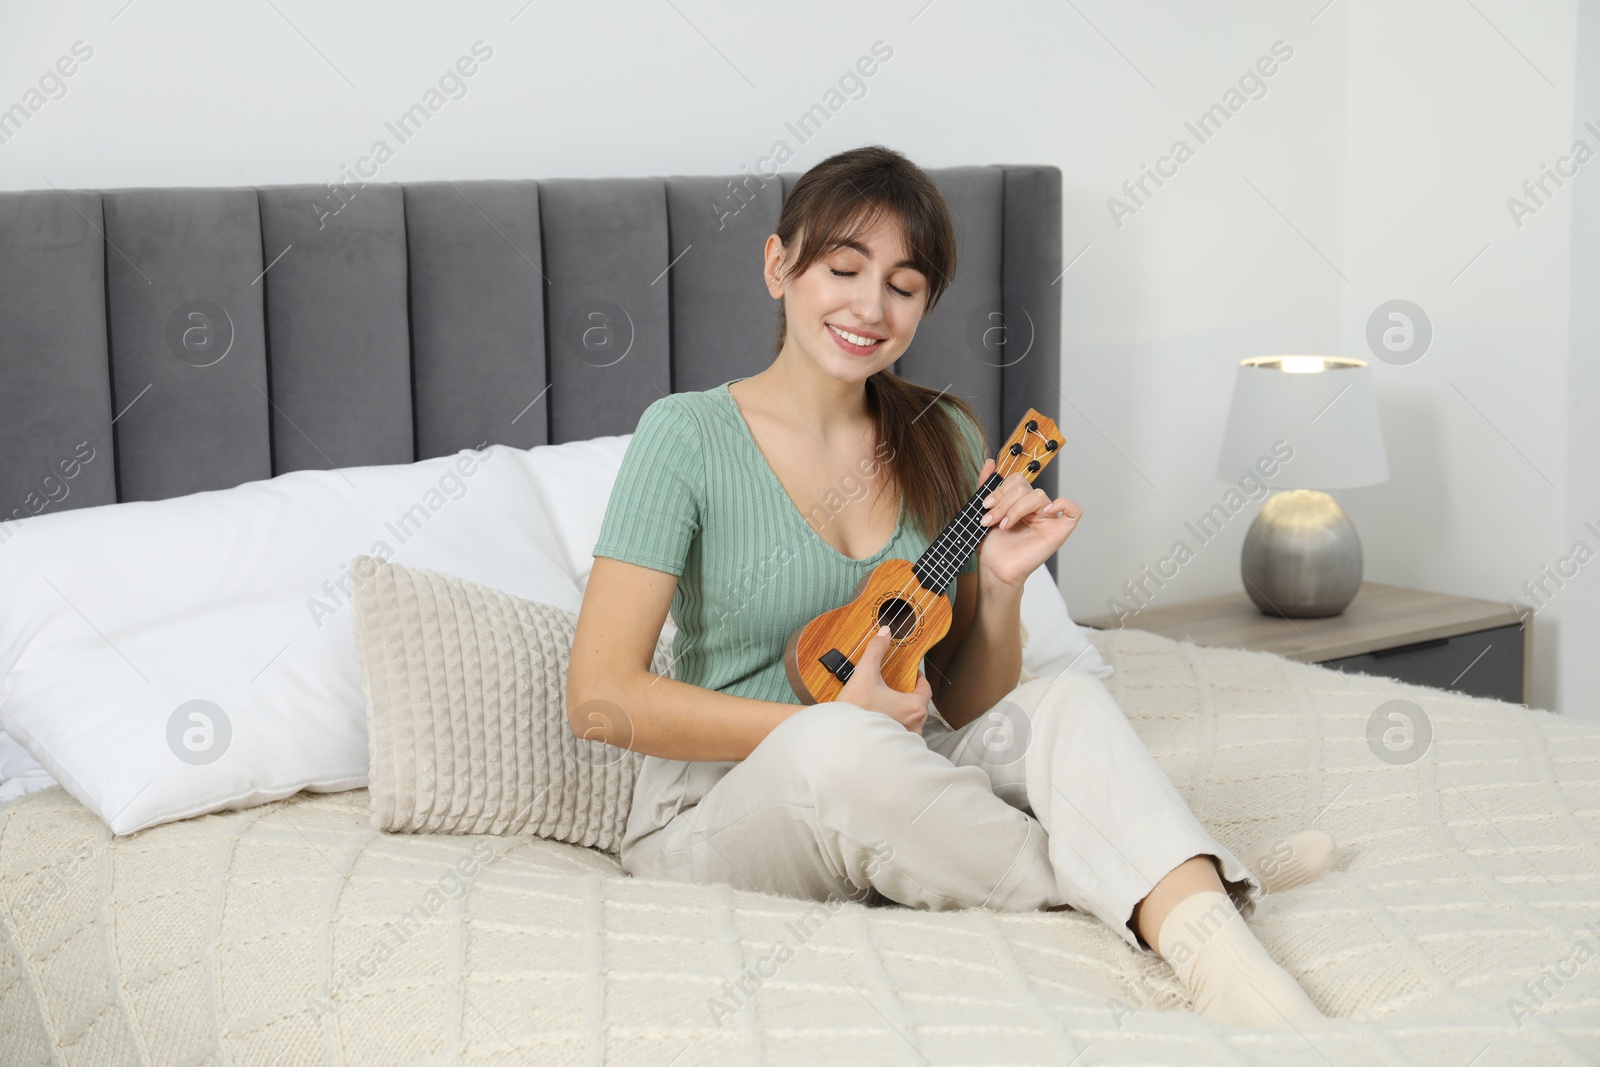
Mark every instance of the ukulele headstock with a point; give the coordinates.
(1030, 448)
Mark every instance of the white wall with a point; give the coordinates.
(1449, 111)
(1429, 119)
(1381, 151)
(1225, 261)
(1579, 676)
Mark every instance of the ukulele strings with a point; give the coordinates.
(922, 600)
(913, 606)
(917, 602)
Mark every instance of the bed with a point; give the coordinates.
(1460, 926)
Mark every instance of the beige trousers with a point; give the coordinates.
(1049, 798)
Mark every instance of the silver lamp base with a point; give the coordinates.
(1301, 557)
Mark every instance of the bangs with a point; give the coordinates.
(842, 217)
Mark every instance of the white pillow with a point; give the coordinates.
(20, 773)
(1055, 642)
(168, 658)
(574, 483)
(575, 479)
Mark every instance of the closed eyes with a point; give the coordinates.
(852, 274)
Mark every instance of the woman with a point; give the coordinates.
(869, 796)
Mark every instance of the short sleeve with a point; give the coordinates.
(973, 437)
(653, 515)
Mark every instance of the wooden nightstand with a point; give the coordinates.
(1477, 647)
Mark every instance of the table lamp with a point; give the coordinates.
(1301, 556)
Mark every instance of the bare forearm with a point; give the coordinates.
(988, 662)
(660, 716)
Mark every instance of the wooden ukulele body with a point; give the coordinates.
(821, 655)
(889, 595)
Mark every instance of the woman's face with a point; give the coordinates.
(869, 292)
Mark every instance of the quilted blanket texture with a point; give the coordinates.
(1461, 925)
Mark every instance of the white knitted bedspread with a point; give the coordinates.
(1462, 926)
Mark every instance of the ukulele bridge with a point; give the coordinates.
(837, 664)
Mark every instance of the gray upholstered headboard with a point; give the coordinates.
(191, 339)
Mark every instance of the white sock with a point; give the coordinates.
(1285, 862)
(1226, 971)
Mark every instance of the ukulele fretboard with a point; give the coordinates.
(936, 566)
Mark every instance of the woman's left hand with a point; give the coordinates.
(1025, 527)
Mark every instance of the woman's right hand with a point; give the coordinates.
(867, 689)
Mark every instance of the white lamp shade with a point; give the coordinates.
(1320, 407)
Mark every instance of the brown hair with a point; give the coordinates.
(838, 200)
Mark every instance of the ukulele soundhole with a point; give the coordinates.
(899, 616)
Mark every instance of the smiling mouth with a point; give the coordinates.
(853, 342)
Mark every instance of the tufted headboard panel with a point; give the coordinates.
(157, 342)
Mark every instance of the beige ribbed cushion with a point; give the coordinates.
(467, 730)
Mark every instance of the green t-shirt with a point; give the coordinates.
(696, 498)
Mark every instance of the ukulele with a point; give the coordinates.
(904, 596)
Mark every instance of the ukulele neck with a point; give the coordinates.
(935, 567)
